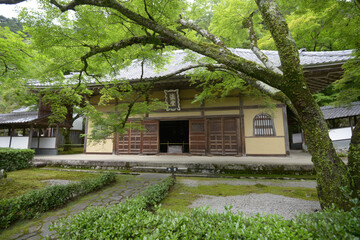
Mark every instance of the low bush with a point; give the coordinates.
(15, 159)
(132, 220)
(124, 220)
(35, 202)
(332, 224)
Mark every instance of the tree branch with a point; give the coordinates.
(224, 57)
(274, 93)
(123, 44)
(11, 1)
(146, 10)
(288, 52)
(191, 25)
(254, 47)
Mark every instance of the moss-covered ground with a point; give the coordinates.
(42, 221)
(74, 150)
(182, 195)
(268, 176)
(22, 181)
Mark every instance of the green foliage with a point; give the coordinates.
(15, 159)
(35, 202)
(320, 25)
(124, 220)
(227, 22)
(332, 224)
(18, 63)
(349, 85)
(326, 97)
(132, 220)
(12, 23)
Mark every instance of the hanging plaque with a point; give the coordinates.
(172, 100)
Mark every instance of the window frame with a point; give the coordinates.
(263, 117)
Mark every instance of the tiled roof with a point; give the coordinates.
(331, 112)
(307, 59)
(18, 117)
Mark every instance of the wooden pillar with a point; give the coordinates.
(30, 136)
(86, 133)
(286, 131)
(242, 127)
(57, 136)
(11, 132)
(38, 138)
(351, 125)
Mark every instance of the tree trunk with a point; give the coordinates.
(332, 175)
(66, 134)
(354, 159)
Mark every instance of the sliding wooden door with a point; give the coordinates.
(150, 138)
(197, 136)
(137, 142)
(223, 136)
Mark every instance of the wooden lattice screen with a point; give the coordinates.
(263, 125)
(197, 136)
(223, 136)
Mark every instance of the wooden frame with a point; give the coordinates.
(172, 100)
(263, 125)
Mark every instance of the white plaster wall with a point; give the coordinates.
(4, 142)
(48, 142)
(340, 133)
(297, 138)
(34, 142)
(77, 125)
(45, 142)
(20, 142)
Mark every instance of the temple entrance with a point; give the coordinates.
(174, 136)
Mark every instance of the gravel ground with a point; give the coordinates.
(256, 203)
(278, 183)
(259, 203)
(53, 182)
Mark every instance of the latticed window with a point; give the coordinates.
(263, 125)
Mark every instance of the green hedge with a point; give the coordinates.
(121, 221)
(133, 220)
(29, 205)
(15, 159)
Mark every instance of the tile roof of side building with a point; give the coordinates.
(331, 112)
(18, 117)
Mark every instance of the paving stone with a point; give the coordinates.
(28, 236)
(35, 237)
(17, 236)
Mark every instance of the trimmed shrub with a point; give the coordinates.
(15, 159)
(35, 202)
(124, 220)
(332, 224)
(132, 220)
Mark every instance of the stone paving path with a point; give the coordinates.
(113, 194)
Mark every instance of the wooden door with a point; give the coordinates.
(123, 144)
(215, 136)
(230, 136)
(223, 136)
(150, 137)
(197, 136)
(130, 143)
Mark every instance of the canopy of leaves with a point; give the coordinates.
(13, 24)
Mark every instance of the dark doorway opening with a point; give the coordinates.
(174, 136)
